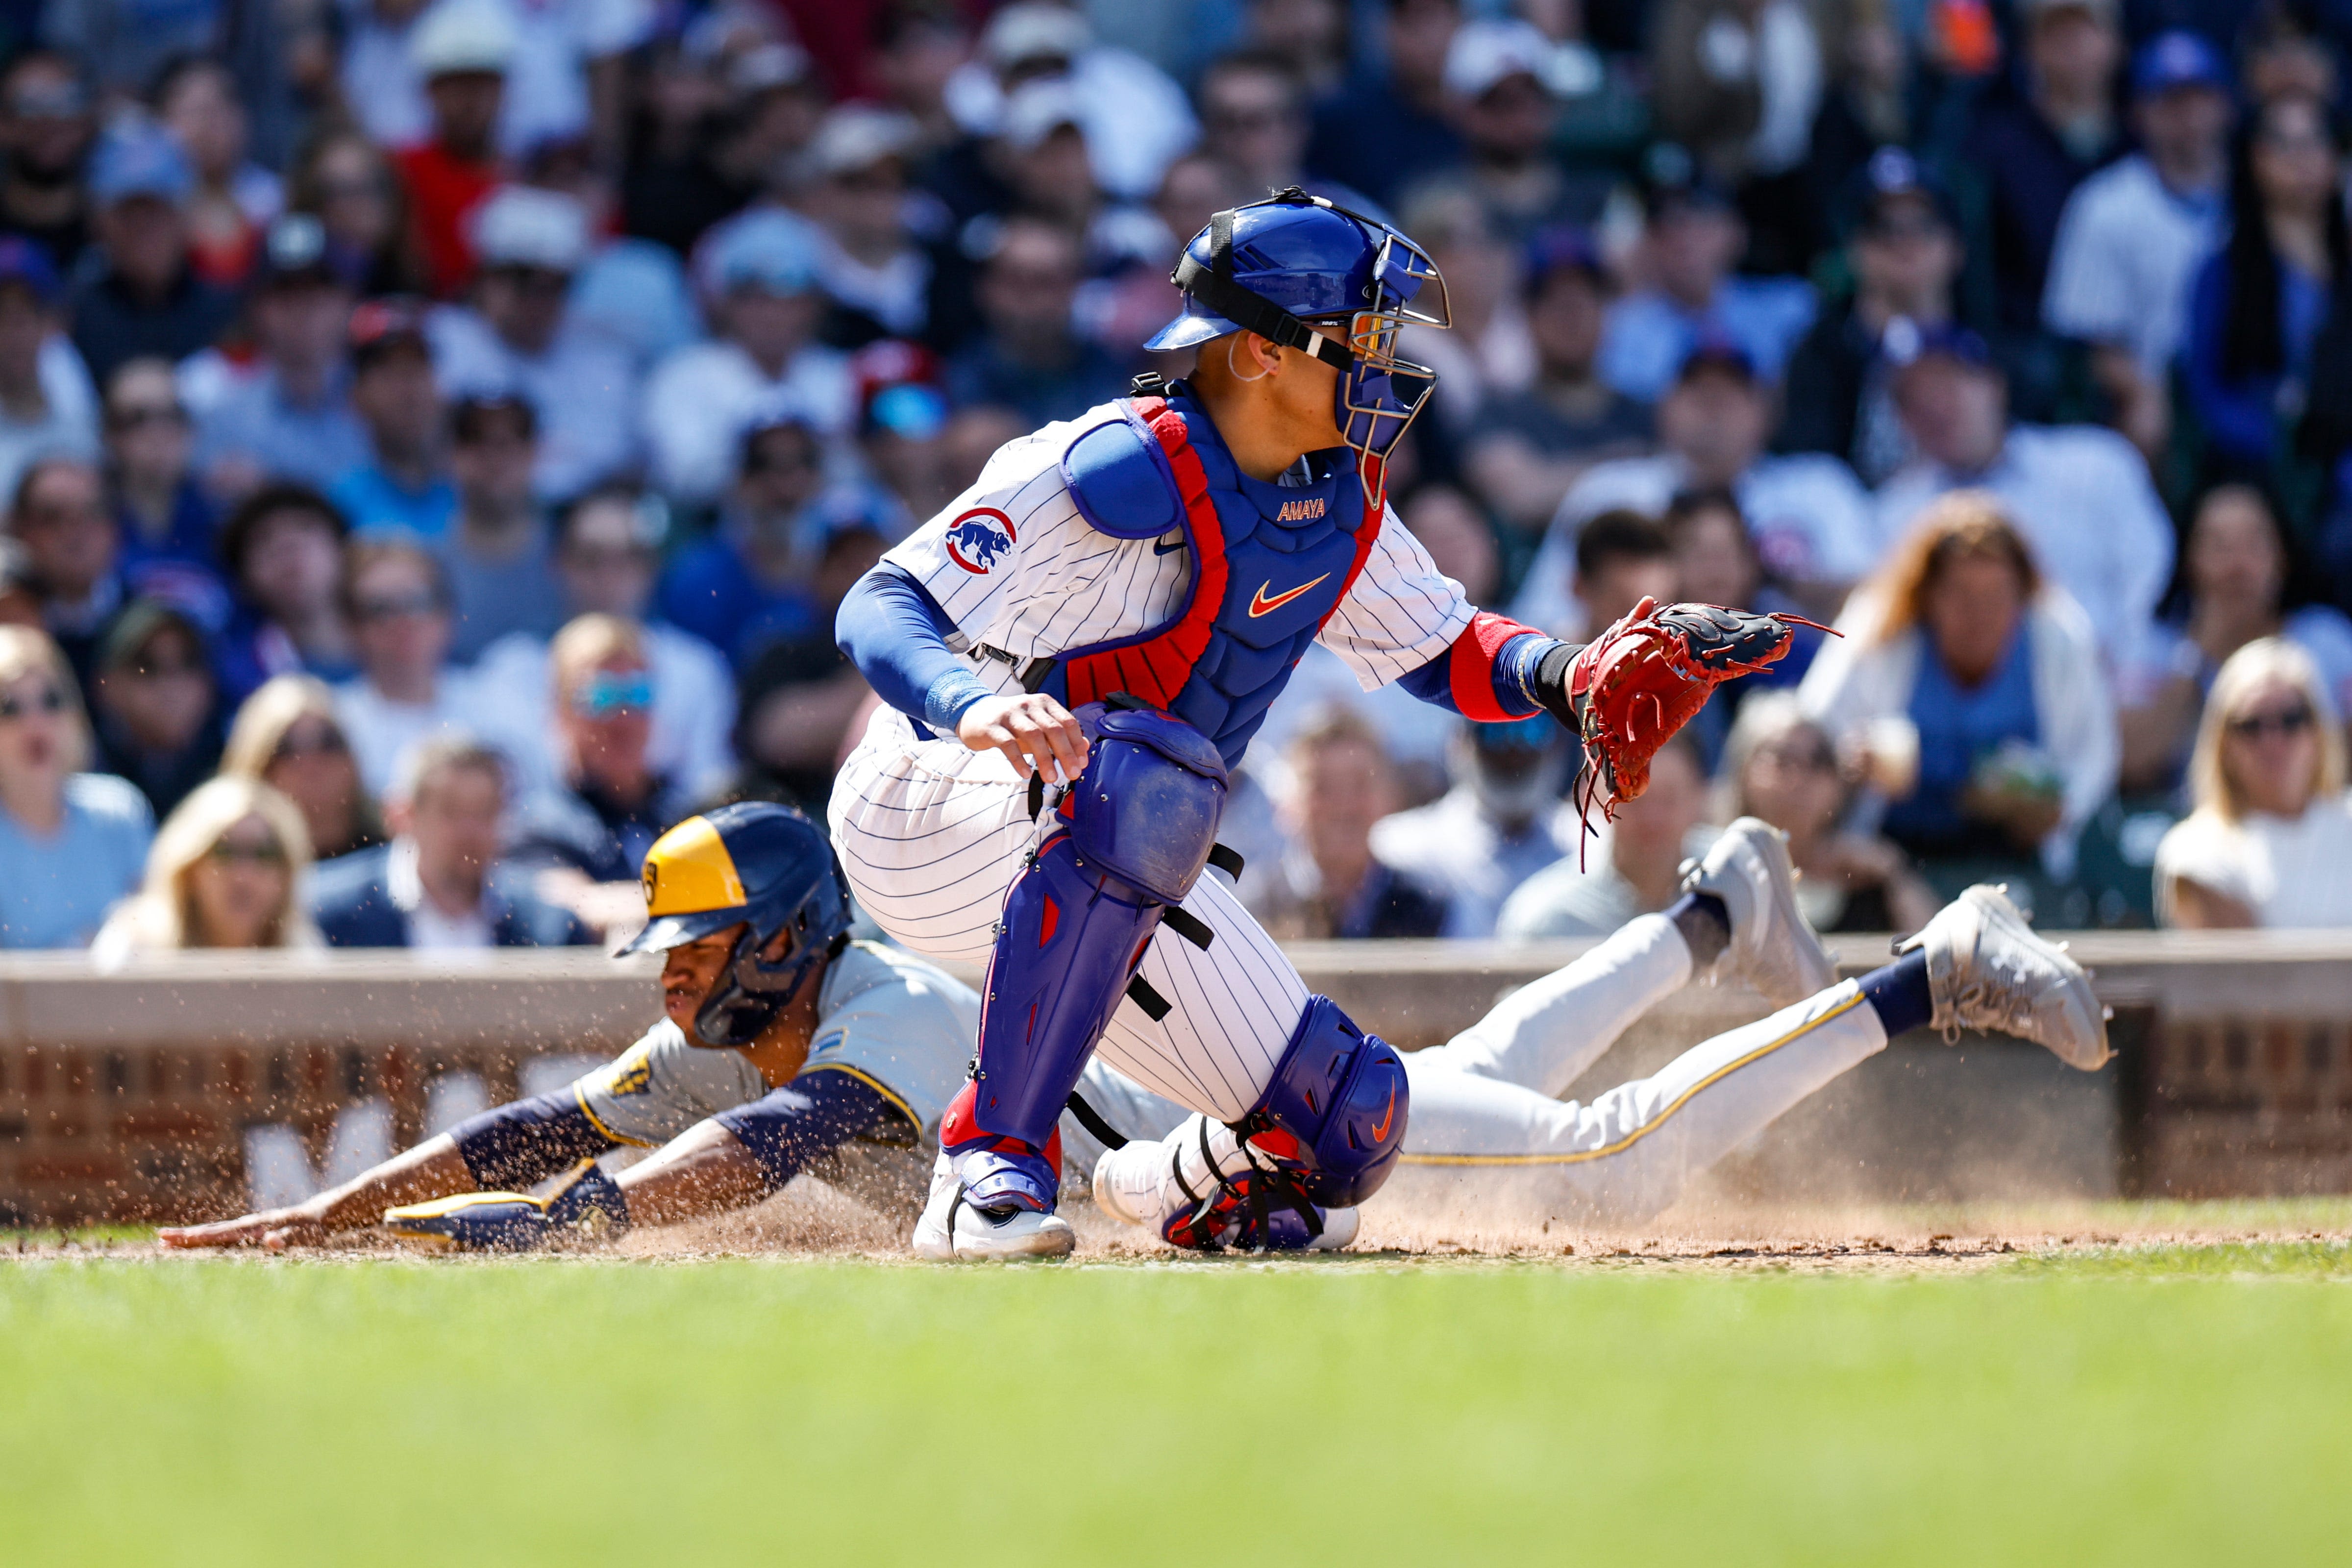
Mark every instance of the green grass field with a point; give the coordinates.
(2184, 1404)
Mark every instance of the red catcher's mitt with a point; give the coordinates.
(1647, 676)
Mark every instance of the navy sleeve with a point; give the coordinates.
(897, 634)
(511, 1146)
(789, 1129)
(1496, 676)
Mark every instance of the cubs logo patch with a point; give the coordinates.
(1301, 510)
(979, 540)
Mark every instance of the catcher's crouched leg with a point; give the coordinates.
(1323, 1137)
(1141, 822)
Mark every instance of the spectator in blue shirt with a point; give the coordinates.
(1694, 237)
(167, 522)
(748, 570)
(2259, 303)
(404, 486)
(2033, 142)
(291, 416)
(1388, 128)
(71, 843)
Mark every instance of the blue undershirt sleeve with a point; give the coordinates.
(789, 1129)
(510, 1146)
(896, 633)
(1512, 676)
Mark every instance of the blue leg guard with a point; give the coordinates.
(1336, 1111)
(1142, 818)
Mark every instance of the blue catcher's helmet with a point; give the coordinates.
(1272, 266)
(765, 867)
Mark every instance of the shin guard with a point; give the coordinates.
(1140, 820)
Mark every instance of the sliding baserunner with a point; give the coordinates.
(1490, 1138)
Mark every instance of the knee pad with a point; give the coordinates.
(1146, 808)
(1336, 1107)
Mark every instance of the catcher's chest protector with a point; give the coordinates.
(1270, 564)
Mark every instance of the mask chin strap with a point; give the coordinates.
(1214, 286)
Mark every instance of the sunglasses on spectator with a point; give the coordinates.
(48, 700)
(2291, 721)
(136, 415)
(603, 696)
(1807, 759)
(228, 853)
(164, 668)
(394, 606)
(326, 741)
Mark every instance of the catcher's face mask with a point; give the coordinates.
(1379, 395)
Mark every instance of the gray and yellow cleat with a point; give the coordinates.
(1772, 947)
(1988, 970)
(588, 1203)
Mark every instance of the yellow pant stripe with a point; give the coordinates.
(1636, 1136)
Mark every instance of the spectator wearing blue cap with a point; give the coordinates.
(1905, 255)
(47, 125)
(2134, 235)
(288, 416)
(518, 337)
(2080, 494)
(1810, 522)
(47, 401)
(1693, 238)
(2259, 303)
(143, 298)
(1528, 448)
(2034, 140)
(756, 274)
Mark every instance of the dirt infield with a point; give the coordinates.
(814, 1222)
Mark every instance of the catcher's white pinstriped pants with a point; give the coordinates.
(932, 834)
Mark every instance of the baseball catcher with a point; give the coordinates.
(1491, 1139)
(1079, 648)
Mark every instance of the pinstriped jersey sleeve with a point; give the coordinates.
(1015, 566)
(1400, 613)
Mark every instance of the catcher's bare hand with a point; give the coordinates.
(1036, 733)
(272, 1229)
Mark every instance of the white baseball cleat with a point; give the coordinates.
(1988, 970)
(952, 1231)
(1339, 1228)
(1772, 947)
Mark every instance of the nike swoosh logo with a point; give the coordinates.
(1380, 1133)
(1160, 547)
(1262, 606)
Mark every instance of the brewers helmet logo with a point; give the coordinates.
(979, 540)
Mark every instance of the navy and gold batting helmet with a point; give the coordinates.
(765, 867)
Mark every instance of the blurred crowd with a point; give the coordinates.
(435, 437)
